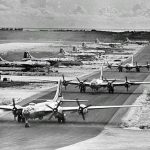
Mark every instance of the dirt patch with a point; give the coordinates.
(138, 117)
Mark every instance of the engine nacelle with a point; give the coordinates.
(60, 110)
(83, 109)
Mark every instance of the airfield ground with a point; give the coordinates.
(101, 130)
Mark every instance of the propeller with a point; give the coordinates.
(137, 67)
(48, 67)
(81, 84)
(147, 66)
(120, 68)
(109, 65)
(127, 83)
(64, 82)
(15, 110)
(110, 84)
(81, 109)
(54, 110)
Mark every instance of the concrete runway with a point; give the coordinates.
(51, 135)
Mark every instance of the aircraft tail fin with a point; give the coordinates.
(101, 74)
(62, 51)
(58, 92)
(127, 39)
(97, 41)
(132, 61)
(27, 55)
(1, 59)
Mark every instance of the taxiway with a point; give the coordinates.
(51, 135)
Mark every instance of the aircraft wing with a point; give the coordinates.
(129, 82)
(64, 100)
(144, 66)
(138, 83)
(77, 83)
(6, 107)
(9, 107)
(112, 66)
(140, 66)
(28, 65)
(99, 107)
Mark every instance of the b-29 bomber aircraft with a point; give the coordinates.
(53, 61)
(139, 42)
(129, 66)
(53, 108)
(24, 66)
(102, 82)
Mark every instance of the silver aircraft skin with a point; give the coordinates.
(53, 108)
(102, 82)
(53, 61)
(112, 45)
(129, 66)
(81, 54)
(139, 42)
(24, 65)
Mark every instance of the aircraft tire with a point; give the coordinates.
(59, 120)
(27, 125)
(19, 118)
(63, 120)
(112, 91)
(23, 120)
(137, 69)
(84, 89)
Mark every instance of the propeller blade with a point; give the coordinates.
(148, 66)
(127, 88)
(14, 109)
(85, 80)
(14, 103)
(63, 77)
(78, 79)
(113, 81)
(50, 107)
(126, 79)
(51, 116)
(58, 104)
(78, 102)
(76, 86)
(83, 117)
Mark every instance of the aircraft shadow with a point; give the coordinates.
(126, 71)
(103, 92)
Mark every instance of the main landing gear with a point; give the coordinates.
(27, 123)
(61, 118)
(111, 90)
(20, 117)
(82, 89)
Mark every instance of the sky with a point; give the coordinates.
(95, 14)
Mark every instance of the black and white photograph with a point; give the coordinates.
(74, 74)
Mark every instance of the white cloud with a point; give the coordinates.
(75, 13)
(79, 10)
(109, 12)
(3, 7)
